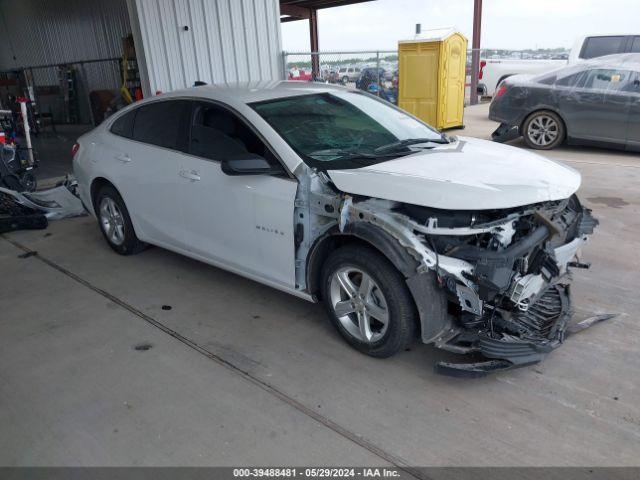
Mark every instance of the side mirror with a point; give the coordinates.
(250, 164)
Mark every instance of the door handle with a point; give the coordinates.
(124, 158)
(192, 175)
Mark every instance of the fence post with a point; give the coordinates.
(86, 92)
(475, 51)
(284, 65)
(378, 72)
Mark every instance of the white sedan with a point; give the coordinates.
(332, 194)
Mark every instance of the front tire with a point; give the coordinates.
(368, 302)
(543, 130)
(115, 222)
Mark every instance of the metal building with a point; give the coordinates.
(176, 41)
(57, 43)
(212, 41)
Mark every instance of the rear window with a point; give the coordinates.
(570, 80)
(600, 46)
(123, 126)
(564, 76)
(163, 124)
(548, 79)
(635, 46)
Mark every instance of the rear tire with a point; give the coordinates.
(345, 80)
(543, 130)
(378, 316)
(115, 222)
(29, 182)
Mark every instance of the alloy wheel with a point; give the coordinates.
(359, 304)
(112, 221)
(543, 130)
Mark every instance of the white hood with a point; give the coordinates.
(469, 174)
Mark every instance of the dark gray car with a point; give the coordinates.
(596, 102)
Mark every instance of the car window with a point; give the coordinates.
(548, 79)
(570, 80)
(218, 134)
(600, 46)
(123, 126)
(635, 45)
(325, 128)
(633, 85)
(606, 79)
(163, 124)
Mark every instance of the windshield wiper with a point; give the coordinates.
(354, 155)
(408, 142)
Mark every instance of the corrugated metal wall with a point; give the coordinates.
(40, 32)
(226, 41)
(48, 32)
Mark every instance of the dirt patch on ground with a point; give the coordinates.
(613, 202)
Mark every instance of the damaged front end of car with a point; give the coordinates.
(506, 275)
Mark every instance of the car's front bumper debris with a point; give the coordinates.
(16, 216)
(506, 275)
(32, 210)
(507, 354)
(505, 132)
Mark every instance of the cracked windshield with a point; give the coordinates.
(346, 129)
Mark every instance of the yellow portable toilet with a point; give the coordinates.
(431, 74)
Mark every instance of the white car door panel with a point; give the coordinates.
(245, 222)
(148, 186)
(143, 162)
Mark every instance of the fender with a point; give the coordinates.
(430, 300)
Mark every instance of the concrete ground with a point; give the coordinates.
(238, 373)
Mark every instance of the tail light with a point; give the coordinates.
(502, 89)
(74, 149)
(483, 64)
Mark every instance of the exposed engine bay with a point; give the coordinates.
(505, 273)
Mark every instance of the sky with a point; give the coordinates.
(508, 24)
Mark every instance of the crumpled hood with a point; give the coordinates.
(469, 174)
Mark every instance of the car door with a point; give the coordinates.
(597, 107)
(633, 125)
(147, 170)
(243, 222)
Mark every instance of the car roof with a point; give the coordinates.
(250, 92)
(626, 60)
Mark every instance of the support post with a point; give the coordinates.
(285, 71)
(378, 73)
(27, 130)
(475, 50)
(313, 32)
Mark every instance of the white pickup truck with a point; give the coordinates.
(493, 71)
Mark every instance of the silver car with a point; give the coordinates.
(596, 102)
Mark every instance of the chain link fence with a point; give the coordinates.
(373, 71)
(376, 71)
